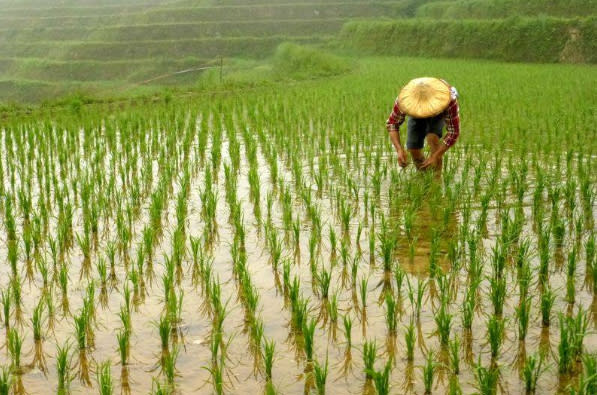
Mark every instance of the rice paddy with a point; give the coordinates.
(268, 241)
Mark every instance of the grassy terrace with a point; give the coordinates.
(85, 70)
(174, 31)
(490, 9)
(89, 42)
(215, 13)
(204, 47)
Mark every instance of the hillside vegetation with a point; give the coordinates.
(497, 9)
(548, 40)
(96, 44)
(56, 45)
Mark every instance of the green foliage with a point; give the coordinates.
(295, 61)
(513, 39)
(496, 9)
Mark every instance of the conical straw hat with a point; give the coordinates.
(424, 97)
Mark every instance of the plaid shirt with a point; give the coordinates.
(451, 117)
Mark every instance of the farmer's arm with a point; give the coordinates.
(393, 123)
(452, 119)
(452, 125)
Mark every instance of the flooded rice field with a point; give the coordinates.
(186, 251)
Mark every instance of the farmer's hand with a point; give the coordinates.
(402, 159)
(431, 162)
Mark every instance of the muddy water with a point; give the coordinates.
(243, 372)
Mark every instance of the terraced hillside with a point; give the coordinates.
(49, 48)
(55, 48)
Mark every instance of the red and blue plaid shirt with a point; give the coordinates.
(451, 117)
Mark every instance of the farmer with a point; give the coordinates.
(430, 104)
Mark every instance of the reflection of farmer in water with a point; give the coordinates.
(430, 103)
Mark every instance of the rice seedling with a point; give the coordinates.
(63, 368)
(566, 349)
(547, 300)
(487, 378)
(158, 388)
(324, 279)
(125, 318)
(104, 379)
(37, 320)
(443, 320)
(387, 245)
(6, 300)
(531, 372)
(416, 300)
(321, 374)
(587, 382)
(434, 253)
(347, 330)
(345, 216)
(102, 271)
(44, 271)
(454, 386)
(363, 291)
(63, 280)
(497, 294)
(81, 323)
(332, 307)
(17, 299)
(369, 357)
(14, 344)
(5, 381)
(269, 349)
(523, 312)
(123, 338)
(309, 335)
(454, 354)
(399, 276)
(391, 317)
(590, 251)
(381, 379)
(409, 339)
(495, 334)
(169, 365)
(429, 371)
(524, 279)
(468, 308)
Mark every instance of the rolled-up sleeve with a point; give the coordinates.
(396, 117)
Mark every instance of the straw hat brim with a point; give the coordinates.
(424, 97)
